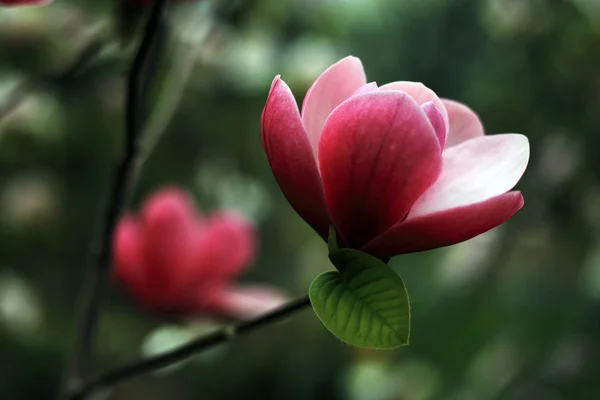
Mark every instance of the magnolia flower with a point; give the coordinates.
(394, 169)
(24, 2)
(172, 259)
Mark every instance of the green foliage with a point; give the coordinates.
(365, 304)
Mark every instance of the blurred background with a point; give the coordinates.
(512, 314)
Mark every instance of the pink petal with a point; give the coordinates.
(242, 302)
(378, 154)
(24, 2)
(464, 123)
(436, 119)
(367, 88)
(291, 157)
(445, 227)
(331, 88)
(168, 203)
(128, 260)
(169, 224)
(474, 171)
(225, 246)
(421, 94)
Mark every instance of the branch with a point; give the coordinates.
(85, 57)
(121, 187)
(14, 98)
(187, 350)
(22, 89)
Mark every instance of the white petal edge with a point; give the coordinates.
(475, 170)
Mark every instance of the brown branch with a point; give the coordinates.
(180, 353)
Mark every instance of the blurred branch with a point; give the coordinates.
(87, 55)
(177, 77)
(121, 187)
(21, 90)
(227, 12)
(180, 353)
(14, 98)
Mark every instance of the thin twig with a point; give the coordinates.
(21, 90)
(87, 55)
(121, 187)
(14, 98)
(194, 347)
(186, 54)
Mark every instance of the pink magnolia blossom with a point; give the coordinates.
(172, 259)
(24, 2)
(394, 169)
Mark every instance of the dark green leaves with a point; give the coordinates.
(365, 304)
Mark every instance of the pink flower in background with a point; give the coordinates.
(24, 2)
(172, 259)
(394, 169)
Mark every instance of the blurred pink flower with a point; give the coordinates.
(24, 2)
(394, 169)
(172, 259)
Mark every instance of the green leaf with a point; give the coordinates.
(365, 304)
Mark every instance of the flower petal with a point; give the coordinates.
(24, 2)
(464, 123)
(168, 226)
(242, 302)
(378, 154)
(330, 89)
(436, 119)
(225, 246)
(421, 94)
(475, 170)
(446, 227)
(167, 204)
(367, 88)
(128, 260)
(291, 157)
